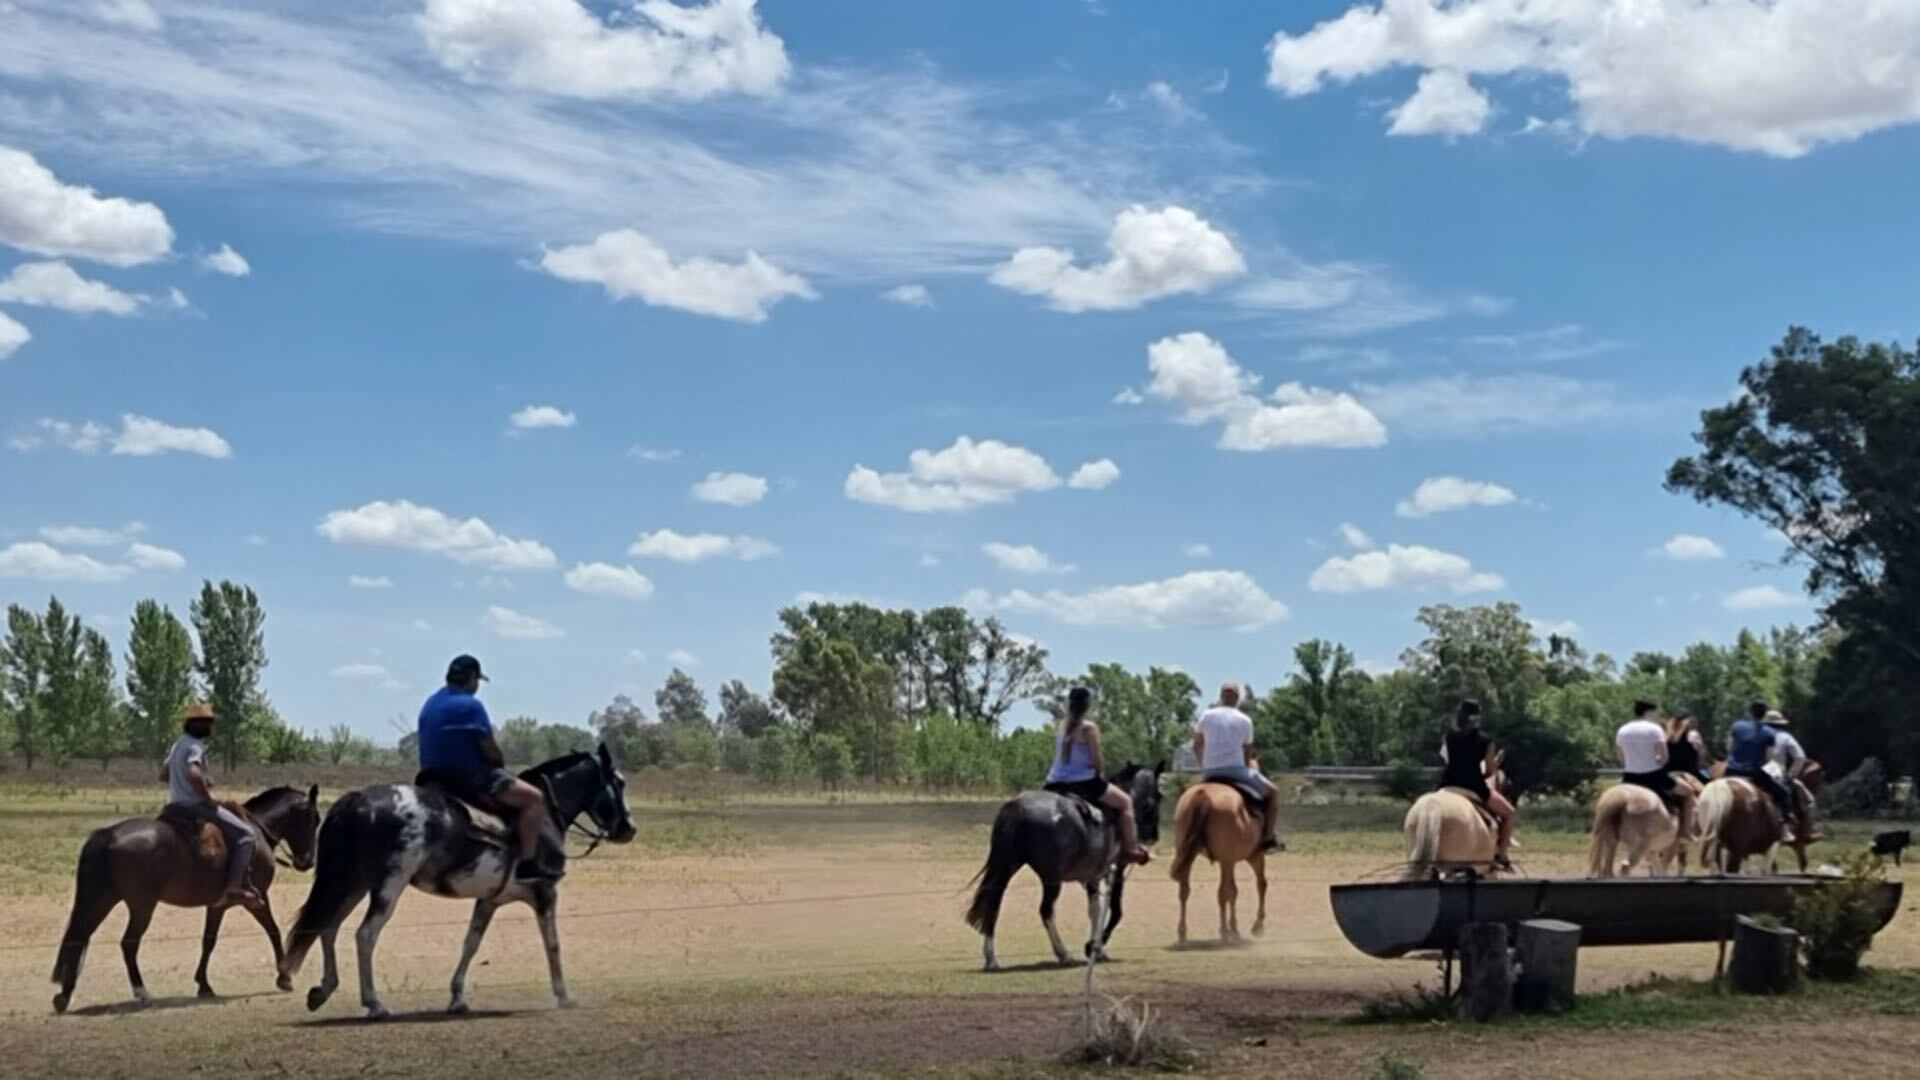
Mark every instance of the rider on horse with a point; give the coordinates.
(1749, 745)
(1793, 762)
(1686, 750)
(1079, 770)
(459, 755)
(1470, 759)
(1223, 741)
(190, 796)
(1645, 761)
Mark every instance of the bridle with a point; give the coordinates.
(594, 833)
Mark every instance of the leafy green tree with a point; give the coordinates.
(339, 741)
(559, 740)
(283, 744)
(736, 752)
(64, 702)
(620, 724)
(744, 711)
(774, 754)
(696, 746)
(100, 718)
(1025, 756)
(520, 741)
(160, 667)
(231, 626)
(24, 666)
(951, 753)
(1485, 653)
(832, 760)
(680, 701)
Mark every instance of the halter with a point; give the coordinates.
(594, 834)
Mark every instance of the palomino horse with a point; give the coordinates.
(381, 840)
(145, 862)
(1738, 821)
(1064, 839)
(1214, 819)
(1448, 830)
(1636, 817)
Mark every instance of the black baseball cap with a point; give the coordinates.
(464, 667)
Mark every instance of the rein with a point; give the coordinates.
(594, 834)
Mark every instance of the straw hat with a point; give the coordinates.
(199, 710)
(1776, 718)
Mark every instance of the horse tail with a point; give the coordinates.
(1424, 827)
(337, 884)
(1192, 839)
(1716, 800)
(93, 897)
(1607, 823)
(1003, 861)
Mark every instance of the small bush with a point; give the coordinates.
(1395, 1067)
(1419, 1005)
(1404, 780)
(1837, 921)
(1864, 792)
(1119, 1034)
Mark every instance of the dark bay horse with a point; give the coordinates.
(145, 862)
(379, 841)
(1063, 839)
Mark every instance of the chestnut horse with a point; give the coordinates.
(1214, 820)
(145, 862)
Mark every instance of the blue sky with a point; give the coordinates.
(301, 272)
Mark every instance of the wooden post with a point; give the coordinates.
(1486, 970)
(1765, 958)
(1548, 952)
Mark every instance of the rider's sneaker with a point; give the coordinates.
(1273, 843)
(239, 896)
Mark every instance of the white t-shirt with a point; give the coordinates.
(1786, 751)
(186, 751)
(1228, 732)
(1643, 746)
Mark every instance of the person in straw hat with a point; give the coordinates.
(190, 795)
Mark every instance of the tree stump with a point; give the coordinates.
(1548, 951)
(1765, 958)
(1486, 971)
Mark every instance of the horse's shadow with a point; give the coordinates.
(129, 1008)
(1048, 965)
(1212, 945)
(439, 1016)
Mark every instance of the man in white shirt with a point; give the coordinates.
(1642, 745)
(1223, 741)
(1792, 761)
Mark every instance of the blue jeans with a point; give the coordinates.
(1238, 774)
(239, 836)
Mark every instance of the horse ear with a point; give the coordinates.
(606, 755)
(313, 795)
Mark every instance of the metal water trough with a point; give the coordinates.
(1391, 919)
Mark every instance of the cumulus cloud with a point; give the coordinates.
(87, 535)
(509, 623)
(1150, 254)
(657, 49)
(911, 295)
(1402, 566)
(1194, 372)
(964, 476)
(36, 561)
(363, 581)
(1470, 406)
(56, 285)
(1686, 547)
(1094, 475)
(149, 557)
(12, 336)
(227, 261)
(1756, 75)
(44, 216)
(1355, 537)
(699, 547)
(606, 579)
(683, 658)
(142, 436)
(1440, 494)
(536, 417)
(1197, 551)
(629, 265)
(731, 489)
(1023, 559)
(411, 527)
(1203, 599)
(1761, 598)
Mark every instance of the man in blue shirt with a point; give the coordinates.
(1749, 743)
(458, 754)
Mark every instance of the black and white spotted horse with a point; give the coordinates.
(377, 842)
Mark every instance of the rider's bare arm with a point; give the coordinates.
(1200, 745)
(202, 786)
(491, 751)
(1093, 747)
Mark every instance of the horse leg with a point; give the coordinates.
(138, 916)
(365, 939)
(1229, 896)
(90, 909)
(1259, 863)
(1114, 910)
(264, 916)
(209, 937)
(476, 930)
(546, 905)
(1096, 920)
(1186, 889)
(1050, 892)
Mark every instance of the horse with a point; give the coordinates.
(1064, 839)
(1448, 830)
(1214, 819)
(1738, 821)
(378, 841)
(1638, 817)
(144, 862)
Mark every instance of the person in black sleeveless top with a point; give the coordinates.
(1470, 759)
(1685, 746)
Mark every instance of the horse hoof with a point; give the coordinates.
(60, 1003)
(377, 1012)
(206, 992)
(141, 997)
(989, 968)
(459, 1008)
(317, 997)
(566, 1003)
(284, 984)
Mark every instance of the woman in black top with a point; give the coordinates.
(1470, 759)
(1684, 745)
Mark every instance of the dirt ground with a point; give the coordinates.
(798, 937)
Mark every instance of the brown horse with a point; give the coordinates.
(1738, 821)
(145, 862)
(1214, 820)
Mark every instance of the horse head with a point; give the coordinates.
(1142, 785)
(290, 818)
(589, 784)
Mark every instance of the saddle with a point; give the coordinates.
(1256, 799)
(1473, 799)
(197, 828)
(487, 820)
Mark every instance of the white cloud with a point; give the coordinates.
(137, 14)
(227, 261)
(536, 417)
(87, 535)
(1686, 547)
(1355, 537)
(142, 436)
(911, 295)
(1546, 628)
(1344, 297)
(652, 454)
(605, 579)
(1195, 372)
(1129, 396)
(655, 49)
(1440, 494)
(42, 215)
(635, 658)
(410, 527)
(1761, 598)
(1151, 254)
(1197, 551)
(1469, 406)
(149, 557)
(12, 336)
(699, 547)
(56, 285)
(1756, 76)
(256, 540)
(964, 476)
(363, 581)
(362, 672)
(730, 489)
(1203, 599)
(1094, 475)
(509, 623)
(1023, 559)
(627, 264)
(1402, 566)
(683, 658)
(1445, 103)
(43, 562)
(929, 559)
